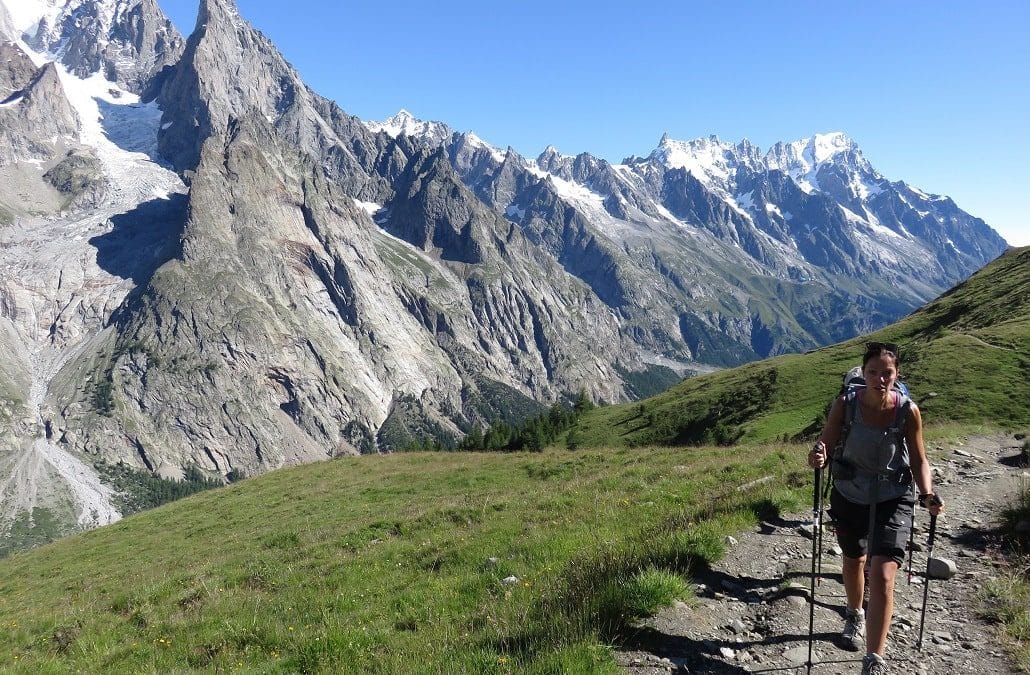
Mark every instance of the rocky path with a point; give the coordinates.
(752, 611)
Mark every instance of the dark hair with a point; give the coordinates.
(874, 349)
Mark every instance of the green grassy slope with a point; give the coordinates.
(385, 564)
(970, 347)
(399, 563)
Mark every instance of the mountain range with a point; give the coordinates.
(207, 265)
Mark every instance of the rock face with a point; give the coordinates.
(36, 119)
(7, 30)
(445, 296)
(129, 42)
(715, 252)
(306, 285)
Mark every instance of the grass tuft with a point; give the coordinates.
(1006, 598)
(648, 591)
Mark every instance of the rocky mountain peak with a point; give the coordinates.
(808, 154)
(828, 162)
(221, 12)
(127, 41)
(710, 160)
(204, 91)
(16, 69)
(406, 124)
(35, 116)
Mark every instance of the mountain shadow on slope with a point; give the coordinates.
(143, 239)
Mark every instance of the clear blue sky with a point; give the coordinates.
(935, 93)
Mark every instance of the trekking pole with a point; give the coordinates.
(819, 547)
(911, 543)
(926, 578)
(817, 510)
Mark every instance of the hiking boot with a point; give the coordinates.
(853, 635)
(873, 664)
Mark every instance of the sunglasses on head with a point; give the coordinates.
(883, 346)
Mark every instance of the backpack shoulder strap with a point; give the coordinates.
(898, 427)
(850, 410)
(901, 416)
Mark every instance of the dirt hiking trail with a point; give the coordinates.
(752, 611)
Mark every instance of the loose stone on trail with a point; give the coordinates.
(941, 568)
(798, 655)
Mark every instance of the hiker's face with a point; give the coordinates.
(880, 373)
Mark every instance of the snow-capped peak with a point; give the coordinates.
(552, 151)
(41, 22)
(710, 160)
(436, 133)
(406, 124)
(808, 153)
(802, 159)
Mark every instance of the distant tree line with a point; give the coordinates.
(140, 490)
(532, 435)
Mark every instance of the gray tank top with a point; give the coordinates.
(879, 458)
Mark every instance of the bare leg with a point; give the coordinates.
(854, 581)
(881, 603)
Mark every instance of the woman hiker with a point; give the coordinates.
(878, 458)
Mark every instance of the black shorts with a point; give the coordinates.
(893, 525)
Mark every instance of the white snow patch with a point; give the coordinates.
(871, 222)
(576, 192)
(733, 205)
(26, 14)
(479, 142)
(515, 212)
(823, 147)
(863, 188)
(772, 208)
(707, 159)
(133, 175)
(371, 208)
(807, 182)
(746, 200)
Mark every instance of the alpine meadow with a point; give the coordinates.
(487, 562)
(285, 390)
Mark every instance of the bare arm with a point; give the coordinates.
(819, 455)
(921, 472)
